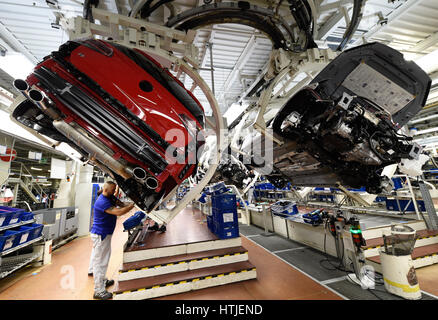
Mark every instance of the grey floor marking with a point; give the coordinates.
(334, 280)
(308, 275)
(291, 249)
(429, 294)
(252, 236)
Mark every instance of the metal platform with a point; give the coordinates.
(187, 257)
(12, 264)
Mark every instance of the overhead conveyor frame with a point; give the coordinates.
(157, 41)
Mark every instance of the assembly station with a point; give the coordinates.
(218, 150)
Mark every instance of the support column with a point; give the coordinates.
(83, 199)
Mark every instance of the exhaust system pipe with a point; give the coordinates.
(89, 146)
(21, 85)
(139, 173)
(151, 182)
(38, 98)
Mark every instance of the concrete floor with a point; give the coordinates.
(278, 274)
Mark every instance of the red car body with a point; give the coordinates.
(127, 102)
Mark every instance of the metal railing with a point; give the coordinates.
(18, 171)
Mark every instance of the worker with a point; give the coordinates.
(45, 200)
(106, 210)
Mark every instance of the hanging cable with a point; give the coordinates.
(356, 17)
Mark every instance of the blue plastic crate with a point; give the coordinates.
(313, 218)
(227, 232)
(224, 201)
(26, 216)
(10, 239)
(391, 204)
(397, 183)
(210, 224)
(11, 209)
(4, 218)
(216, 189)
(23, 235)
(226, 219)
(9, 215)
(34, 229)
(7, 239)
(284, 208)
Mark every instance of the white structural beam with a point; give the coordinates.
(331, 24)
(15, 44)
(430, 130)
(204, 55)
(397, 14)
(426, 43)
(243, 58)
(428, 118)
(333, 6)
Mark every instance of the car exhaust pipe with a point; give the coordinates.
(151, 183)
(21, 85)
(37, 97)
(139, 173)
(90, 147)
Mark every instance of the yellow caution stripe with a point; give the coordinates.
(420, 238)
(369, 248)
(189, 280)
(404, 287)
(185, 261)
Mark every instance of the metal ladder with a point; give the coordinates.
(432, 223)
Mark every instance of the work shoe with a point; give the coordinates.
(104, 295)
(155, 227)
(108, 283)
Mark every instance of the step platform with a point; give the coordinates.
(179, 282)
(184, 258)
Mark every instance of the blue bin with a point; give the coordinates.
(227, 232)
(34, 229)
(397, 183)
(216, 189)
(210, 224)
(26, 216)
(23, 235)
(392, 205)
(313, 218)
(224, 202)
(284, 208)
(4, 218)
(9, 239)
(226, 219)
(9, 215)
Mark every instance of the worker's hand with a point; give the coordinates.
(131, 205)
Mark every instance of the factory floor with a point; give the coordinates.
(285, 270)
